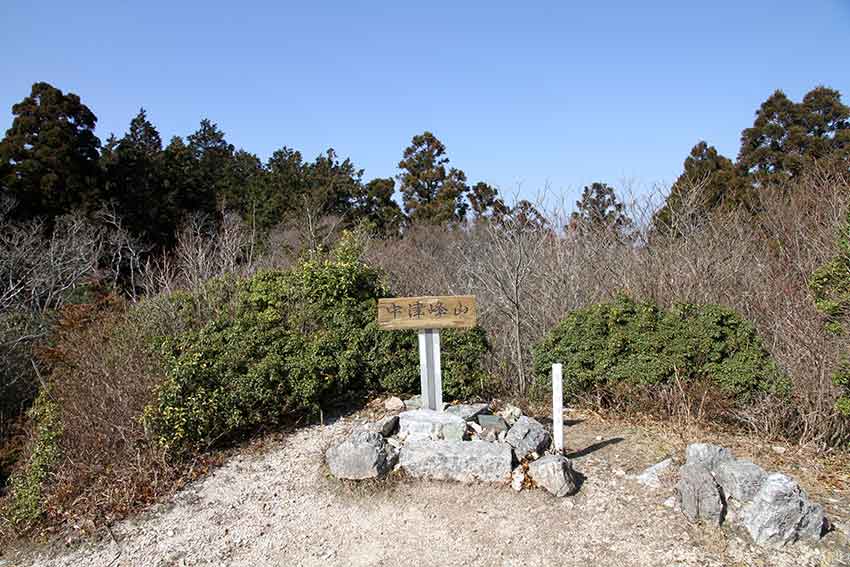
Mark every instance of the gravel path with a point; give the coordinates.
(280, 508)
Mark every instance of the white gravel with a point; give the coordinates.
(280, 508)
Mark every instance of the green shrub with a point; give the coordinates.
(294, 341)
(25, 503)
(830, 285)
(624, 342)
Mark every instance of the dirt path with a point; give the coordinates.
(280, 508)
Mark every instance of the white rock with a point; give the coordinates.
(651, 476)
(394, 404)
(517, 479)
(429, 424)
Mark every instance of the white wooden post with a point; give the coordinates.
(558, 407)
(430, 372)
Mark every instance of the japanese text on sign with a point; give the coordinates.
(430, 312)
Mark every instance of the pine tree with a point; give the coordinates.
(432, 193)
(49, 160)
(710, 182)
(600, 211)
(375, 208)
(786, 137)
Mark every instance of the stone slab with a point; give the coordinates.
(462, 461)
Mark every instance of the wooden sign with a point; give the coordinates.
(428, 312)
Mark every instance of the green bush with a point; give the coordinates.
(830, 285)
(294, 341)
(25, 504)
(625, 342)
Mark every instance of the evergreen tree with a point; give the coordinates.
(374, 206)
(432, 193)
(135, 180)
(484, 200)
(600, 211)
(49, 157)
(710, 182)
(786, 136)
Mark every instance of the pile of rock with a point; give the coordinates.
(714, 487)
(465, 443)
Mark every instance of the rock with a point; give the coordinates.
(510, 413)
(739, 479)
(707, 455)
(475, 427)
(386, 426)
(651, 476)
(670, 502)
(517, 479)
(555, 474)
(468, 412)
(699, 495)
(782, 513)
(463, 461)
(495, 422)
(413, 403)
(393, 404)
(362, 455)
(526, 436)
(429, 424)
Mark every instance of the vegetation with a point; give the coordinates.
(298, 341)
(642, 344)
(160, 301)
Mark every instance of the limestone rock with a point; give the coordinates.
(393, 404)
(385, 426)
(419, 424)
(555, 474)
(468, 412)
(526, 436)
(707, 455)
(363, 455)
(510, 413)
(651, 476)
(781, 513)
(699, 495)
(463, 461)
(739, 479)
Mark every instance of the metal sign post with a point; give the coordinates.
(430, 373)
(428, 315)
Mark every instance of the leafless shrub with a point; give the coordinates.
(526, 280)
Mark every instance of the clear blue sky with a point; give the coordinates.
(528, 93)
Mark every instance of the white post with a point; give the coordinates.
(430, 372)
(558, 407)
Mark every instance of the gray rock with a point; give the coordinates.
(707, 455)
(739, 479)
(419, 424)
(385, 426)
(651, 476)
(527, 436)
(555, 474)
(468, 412)
(495, 422)
(413, 403)
(463, 461)
(699, 495)
(781, 513)
(362, 455)
(393, 404)
(510, 413)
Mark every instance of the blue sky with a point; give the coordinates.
(523, 94)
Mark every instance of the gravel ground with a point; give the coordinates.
(280, 507)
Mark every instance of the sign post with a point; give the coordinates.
(428, 314)
(558, 407)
